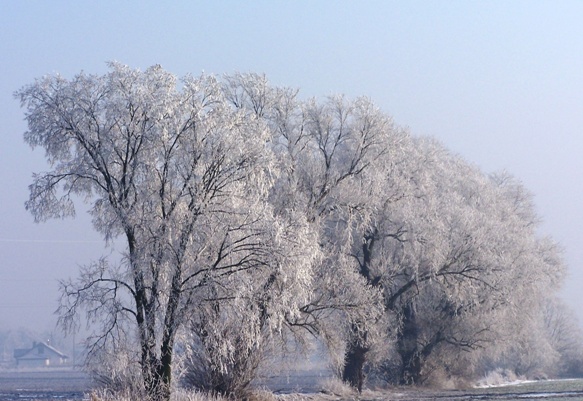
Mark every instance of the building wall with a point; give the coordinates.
(32, 363)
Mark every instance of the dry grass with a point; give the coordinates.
(184, 395)
(336, 387)
(335, 392)
(178, 395)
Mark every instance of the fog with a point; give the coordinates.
(500, 83)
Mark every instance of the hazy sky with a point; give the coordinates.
(500, 82)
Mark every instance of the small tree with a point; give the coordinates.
(562, 331)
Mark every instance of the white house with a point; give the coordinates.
(40, 355)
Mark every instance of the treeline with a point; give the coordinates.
(253, 219)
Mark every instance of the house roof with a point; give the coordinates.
(40, 351)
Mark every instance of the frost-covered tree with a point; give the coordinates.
(231, 335)
(328, 149)
(456, 255)
(473, 267)
(182, 179)
(565, 336)
(548, 345)
(324, 149)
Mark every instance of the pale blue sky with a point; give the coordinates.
(500, 82)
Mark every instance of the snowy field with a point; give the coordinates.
(69, 385)
(43, 385)
(551, 390)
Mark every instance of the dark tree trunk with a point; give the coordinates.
(411, 370)
(165, 372)
(354, 361)
(407, 347)
(157, 378)
(355, 357)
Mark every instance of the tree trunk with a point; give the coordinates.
(407, 347)
(411, 370)
(165, 375)
(158, 379)
(355, 357)
(354, 361)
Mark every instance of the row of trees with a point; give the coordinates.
(252, 218)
